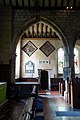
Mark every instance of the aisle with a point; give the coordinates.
(56, 108)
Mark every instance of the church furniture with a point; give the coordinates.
(76, 93)
(55, 83)
(26, 79)
(19, 109)
(25, 88)
(3, 86)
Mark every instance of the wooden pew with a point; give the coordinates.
(55, 83)
(26, 80)
(22, 109)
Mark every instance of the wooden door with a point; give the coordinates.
(44, 79)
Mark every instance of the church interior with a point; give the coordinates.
(39, 59)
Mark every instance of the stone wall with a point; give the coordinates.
(68, 21)
(5, 34)
(13, 22)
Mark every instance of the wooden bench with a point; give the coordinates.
(16, 110)
(22, 109)
(55, 83)
(25, 88)
(26, 80)
(76, 92)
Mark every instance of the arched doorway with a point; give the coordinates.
(38, 42)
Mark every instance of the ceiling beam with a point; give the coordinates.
(55, 3)
(61, 3)
(17, 4)
(43, 3)
(49, 3)
(10, 1)
(74, 3)
(22, 2)
(36, 4)
(79, 5)
(29, 3)
(68, 2)
(4, 2)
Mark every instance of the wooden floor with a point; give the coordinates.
(55, 102)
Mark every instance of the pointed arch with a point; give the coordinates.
(76, 36)
(33, 21)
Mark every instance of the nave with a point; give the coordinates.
(56, 108)
(53, 107)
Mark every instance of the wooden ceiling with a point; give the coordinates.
(42, 4)
(40, 30)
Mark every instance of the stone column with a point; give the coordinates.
(13, 57)
(69, 62)
(66, 60)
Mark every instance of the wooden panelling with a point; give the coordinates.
(26, 80)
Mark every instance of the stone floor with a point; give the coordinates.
(53, 103)
(12, 109)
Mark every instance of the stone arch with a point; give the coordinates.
(74, 39)
(76, 35)
(22, 30)
(33, 21)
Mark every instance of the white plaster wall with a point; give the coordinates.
(39, 55)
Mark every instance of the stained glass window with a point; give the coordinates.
(76, 60)
(60, 60)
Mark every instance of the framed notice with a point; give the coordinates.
(66, 73)
(29, 48)
(29, 67)
(47, 48)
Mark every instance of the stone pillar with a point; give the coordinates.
(13, 57)
(69, 62)
(71, 65)
(66, 60)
